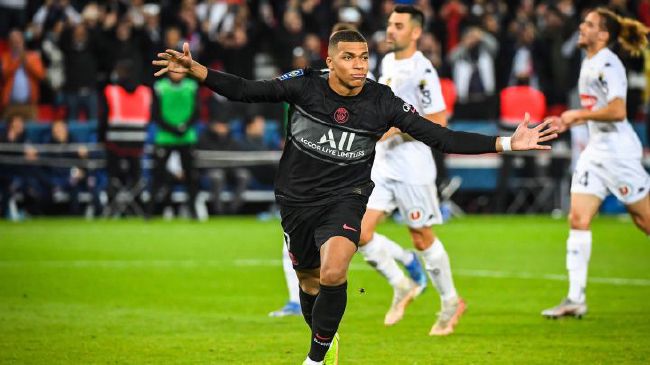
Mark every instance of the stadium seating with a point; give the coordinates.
(479, 173)
(517, 100)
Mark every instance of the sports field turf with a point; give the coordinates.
(129, 292)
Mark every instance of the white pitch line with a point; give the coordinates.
(194, 264)
(555, 277)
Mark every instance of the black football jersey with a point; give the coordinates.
(331, 139)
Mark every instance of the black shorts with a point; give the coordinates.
(308, 228)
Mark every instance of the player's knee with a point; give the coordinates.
(420, 244)
(309, 285)
(422, 239)
(333, 276)
(579, 221)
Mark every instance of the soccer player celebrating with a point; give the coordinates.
(611, 162)
(323, 181)
(404, 174)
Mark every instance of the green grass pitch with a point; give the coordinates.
(130, 292)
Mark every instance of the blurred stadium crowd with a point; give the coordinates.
(59, 59)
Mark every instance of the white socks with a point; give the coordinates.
(436, 262)
(381, 253)
(397, 252)
(577, 261)
(309, 361)
(290, 276)
(376, 253)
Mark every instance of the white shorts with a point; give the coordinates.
(418, 204)
(625, 178)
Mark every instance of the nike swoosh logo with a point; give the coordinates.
(346, 227)
(322, 338)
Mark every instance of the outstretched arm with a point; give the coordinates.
(231, 86)
(449, 141)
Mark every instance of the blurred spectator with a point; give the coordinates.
(430, 48)
(136, 13)
(525, 57)
(129, 44)
(81, 55)
(472, 65)
(289, 36)
(51, 13)
(313, 48)
(309, 12)
(190, 26)
(452, 13)
(69, 180)
(153, 39)
(22, 70)
(13, 14)
(217, 138)
(211, 13)
(235, 46)
(14, 177)
(175, 111)
(53, 58)
(378, 48)
(351, 15)
(254, 140)
(553, 65)
(124, 116)
(300, 59)
(173, 38)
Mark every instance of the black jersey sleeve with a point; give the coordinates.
(266, 91)
(405, 117)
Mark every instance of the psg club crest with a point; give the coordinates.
(341, 115)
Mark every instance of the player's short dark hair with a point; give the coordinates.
(416, 14)
(345, 36)
(342, 26)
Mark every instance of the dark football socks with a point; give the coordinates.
(307, 306)
(327, 313)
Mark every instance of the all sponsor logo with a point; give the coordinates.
(341, 115)
(335, 146)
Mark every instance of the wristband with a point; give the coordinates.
(505, 144)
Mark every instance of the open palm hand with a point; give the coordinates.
(174, 61)
(526, 138)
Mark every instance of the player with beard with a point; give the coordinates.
(404, 174)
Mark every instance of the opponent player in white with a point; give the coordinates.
(611, 162)
(404, 176)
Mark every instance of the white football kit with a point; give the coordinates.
(404, 173)
(611, 162)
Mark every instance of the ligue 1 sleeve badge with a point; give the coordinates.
(341, 115)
